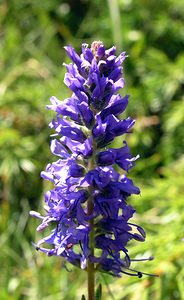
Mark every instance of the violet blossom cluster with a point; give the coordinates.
(84, 173)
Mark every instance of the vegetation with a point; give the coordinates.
(32, 36)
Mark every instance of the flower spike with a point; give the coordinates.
(88, 206)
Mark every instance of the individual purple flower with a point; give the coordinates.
(88, 206)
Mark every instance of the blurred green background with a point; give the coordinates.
(32, 36)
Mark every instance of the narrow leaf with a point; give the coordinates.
(99, 292)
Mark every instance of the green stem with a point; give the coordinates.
(91, 270)
(90, 265)
(91, 281)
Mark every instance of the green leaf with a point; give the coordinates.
(98, 295)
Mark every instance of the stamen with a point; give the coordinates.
(143, 259)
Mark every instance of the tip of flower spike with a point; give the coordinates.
(98, 49)
(95, 45)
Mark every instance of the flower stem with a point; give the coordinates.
(91, 281)
(91, 271)
(90, 265)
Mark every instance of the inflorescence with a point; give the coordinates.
(88, 204)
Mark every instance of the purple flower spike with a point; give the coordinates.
(88, 206)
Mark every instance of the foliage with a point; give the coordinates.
(32, 36)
